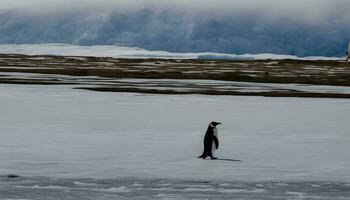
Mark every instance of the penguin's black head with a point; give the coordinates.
(214, 123)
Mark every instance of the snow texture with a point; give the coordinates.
(75, 144)
(59, 132)
(62, 189)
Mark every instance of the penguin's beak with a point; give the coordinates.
(218, 123)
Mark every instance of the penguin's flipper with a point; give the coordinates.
(216, 141)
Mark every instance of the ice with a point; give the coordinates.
(55, 131)
(77, 144)
(53, 188)
(132, 52)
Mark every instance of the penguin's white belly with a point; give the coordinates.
(213, 146)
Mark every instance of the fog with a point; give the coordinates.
(295, 27)
(313, 11)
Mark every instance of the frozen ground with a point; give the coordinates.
(267, 71)
(81, 144)
(176, 86)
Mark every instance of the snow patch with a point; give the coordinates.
(241, 191)
(297, 194)
(84, 184)
(199, 189)
(315, 185)
(282, 184)
(121, 189)
(52, 187)
(225, 184)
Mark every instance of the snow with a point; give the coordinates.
(177, 84)
(55, 131)
(117, 190)
(133, 52)
(52, 187)
(27, 188)
(84, 184)
(241, 191)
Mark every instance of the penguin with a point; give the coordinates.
(211, 141)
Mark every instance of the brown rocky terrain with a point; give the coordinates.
(103, 73)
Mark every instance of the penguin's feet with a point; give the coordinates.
(214, 158)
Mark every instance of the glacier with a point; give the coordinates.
(134, 52)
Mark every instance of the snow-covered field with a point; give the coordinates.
(290, 147)
(134, 52)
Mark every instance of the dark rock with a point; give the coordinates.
(12, 176)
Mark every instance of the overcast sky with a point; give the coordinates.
(310, 10)
(243, 26)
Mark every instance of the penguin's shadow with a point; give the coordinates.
(231, 160)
